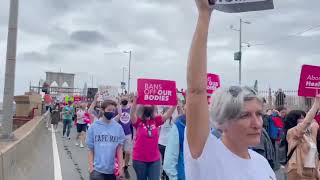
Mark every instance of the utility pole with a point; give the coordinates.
(240, 50)
(238, 55)
(6, 130)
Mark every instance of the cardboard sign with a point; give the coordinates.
(213, 83)
(309, 85)
(236, 6)
(108, 93)
(157, 92)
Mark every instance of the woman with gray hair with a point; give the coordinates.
(236, 111)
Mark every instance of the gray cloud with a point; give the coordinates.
(90, 37)
(74, 35)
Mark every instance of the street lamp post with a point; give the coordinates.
(6, 130)
(238, 55)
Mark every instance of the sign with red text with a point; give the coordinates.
(157, 92)
(213, 83)
(309, 85)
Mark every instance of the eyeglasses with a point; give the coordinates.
(236, 90)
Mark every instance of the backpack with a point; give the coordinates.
(275, 128)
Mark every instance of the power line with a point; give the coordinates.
(287, 37)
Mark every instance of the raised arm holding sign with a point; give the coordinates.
(236, 111)
(309, 81)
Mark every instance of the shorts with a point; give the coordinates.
(127, 146)
(81, 128)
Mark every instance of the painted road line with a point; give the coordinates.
(56, 158)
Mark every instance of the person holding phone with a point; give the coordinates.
(237, 111)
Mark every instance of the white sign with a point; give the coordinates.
(108, 93)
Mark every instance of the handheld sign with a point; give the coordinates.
(309, 85)
(236, 6)
(213, 83)
(157, 92)
(107, 93)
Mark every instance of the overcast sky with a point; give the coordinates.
(77, 36)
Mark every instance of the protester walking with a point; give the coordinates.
(55, 116)
(105, 141)
(173, 159)
(236, 111)
(146, 155)
(67, 113)
(125, 122)
(81, 125)
(301, 134)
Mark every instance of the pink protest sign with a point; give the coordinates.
(157, 92)
(309, 85)
(213, 83)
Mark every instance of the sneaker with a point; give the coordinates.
(126, 173)
(81, 145)
(77, 144)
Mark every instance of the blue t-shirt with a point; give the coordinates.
(103, 139)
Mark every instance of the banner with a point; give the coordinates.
(236, 6)
(157, 92)
(309, 85)
(213, 83)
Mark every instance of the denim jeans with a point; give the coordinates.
(67, 124)
(95, 175)
(147, 170)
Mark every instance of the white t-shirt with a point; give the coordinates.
(217, 162)
(164, 132)
(80, 116)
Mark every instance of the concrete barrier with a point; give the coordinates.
(14, 155)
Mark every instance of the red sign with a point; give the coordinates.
(309, 81)
(157, 92)
(77, 98)
(213, 83)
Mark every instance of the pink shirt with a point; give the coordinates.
(145, 147)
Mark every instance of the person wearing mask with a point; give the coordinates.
(105, 139)
(81, 125)
(67, 113)
(125, 122)
(301, 134)
(146, 154)
(237, 111)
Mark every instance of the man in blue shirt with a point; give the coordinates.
(105, 140)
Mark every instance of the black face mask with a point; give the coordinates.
(108, 115)
(148, 112)
(124, 102)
